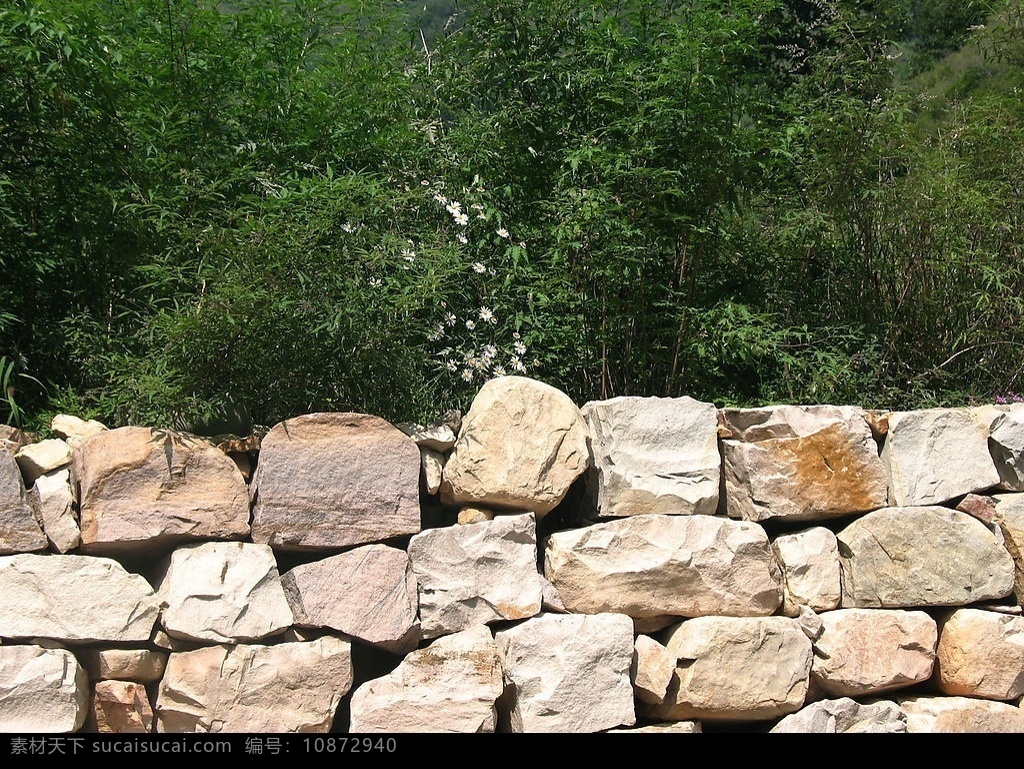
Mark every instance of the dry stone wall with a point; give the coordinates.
(634, 565)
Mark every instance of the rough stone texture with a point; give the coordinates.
(669, 727)
(41, 690)
(810, 570)
(981, 654)
(766, 660)
(651, 565)
(960, 715)
(470, 575)
(921, 556)
(368, 593)
(935, 455)
(1010, 517)
(451, 686)
(73, 429)
(224, 592)
(433, 468)
(19, 530)
(335, 480)
(35, 459)
(653, 455)
(437, 437)
(844, 716)
(141, 488)
(869, 651)
(1006, 442)
(121, 707)
(522, 445)
(801, 463)
(74, 598)
(142, 666)
(52, 503)
(982, 508)
(652, 671)
(290, 687)
(11, 439)
(470, 515)
(569, 672)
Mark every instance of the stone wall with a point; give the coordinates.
(640, 564)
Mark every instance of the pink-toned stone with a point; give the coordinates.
(981, 654)
(652, 671)
(960, 715)
(121, 707)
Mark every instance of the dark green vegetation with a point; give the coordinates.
(292, 206)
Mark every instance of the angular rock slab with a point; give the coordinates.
(368, 593)
(141, 488)
(223, 592)
(1006, 442)
(801, 463)
(449, 687)
(844, 716)
(36, 459)
(290, 687)
(19, 530)
(569, 672)
(74, 598)
(52, 503)
(652, 565)
(921, 556)
(142, 666)
(766, 660)
(653, 668)
(1009, 514)
(653, 455)
(121, 707)
(960, 715)
(477, 574)
(935, 455)
(869, 651)
(73, 429)
(981, 654)
(335, 480)
(41, 690)
(521, 446)
(810, 570)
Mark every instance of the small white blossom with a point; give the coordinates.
(520, 348)
(461, 219)
(470, 324)
(503, 233)
(440, 199)
(450, 319)
(477, 207)
(479, 268)
(517, 363)
(408, 255)
(348, 227)
(437, 334)
(462, 238)
(490, 352)
(499, 371)
(454, 208)
(467, 375)
(451, 365)
(425, 183)
(487, 316)
(376, 282)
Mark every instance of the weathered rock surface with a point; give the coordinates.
(41, 690)
(522, 445)
(668, 727)
(478, 574)
(801, 463)
(469, 515)
(142, 666)
(223, 592)
(1010, 516)
(810, 570)
(368, 593)
(651, 565)
(870, 651)
(141, 488)
(844, 716)
(652, 671)
(569, 672)
(438, 437)
(52, 503)
(981, 654)
(1006, 442)
(19, 530)
(935, 455)
(653, 455)
(121, 707)
(960, 715)
(35, 459)
(335, 480)
(766, 660)
(73, 429)
(432, 463)
(450, 686)
(74, 598)
(921, 556)
(290, 687)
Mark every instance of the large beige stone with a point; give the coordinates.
(935, 455)
(653, 455)
(476, 574)
(52, 504)
(921, 556)
(981, 654)
(569, 672)
(333, 481)
(653, 668)
(141, 488)
(801, 463)
(1006, 441)
(450, 686)
(368, 593)
(223, 592)
(20, 532)
(870, 651)
(41, 690)
(290, 687)
(844, 716)
(121, 707)
(960, 715)
(1009, 514)
(651, 565)
(765, 660)
(74, 598)
(810, 570)
(73, 429)
(144, 666)
(35, 459)
(521, 446)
